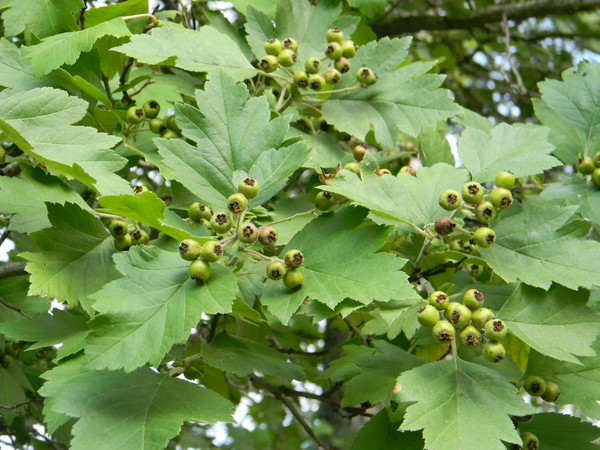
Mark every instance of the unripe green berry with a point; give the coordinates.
(273, 46)
(473, 299)
(268, 63)
(7, 361)
(534, 385)
(117, 228)
(220, 222)
(294, 259)
(139, 237)
(237, 203)
(493, 351)
(462, 245)
(406, 170)
(443, 331)
(348, 49)
(353, 167)
(139, 189)
(169, 134)
(366, 76)
(450, 200)
(157, 126)
(189, 249)
(135, 115)
(287, 57)
(552, 392)
(316, 81)
(171, 122)
(585, 165)
(475, 270)
(324, 200)
(382, 172)
(596, 177)
(428, 316)
(458, 315)
(123, 243)
(293, 278)
(530, 441)
(301, 79)
(472, 193)
(276, 269)
(334, 35)
(267, 236)
(343, 65)
(359, 151)
(505, 179)
(200, 271)
(332, 76)
(597, 159)
(495, 329)
(481, 316)
(198, 211)
(248, 187)
(469, 336)
(333, 50)
(484, 237)
(485, 212)
(444, 226)
(291, 44)
(312, 65)
(501, 198)
(439, 300)
(211, 251)
(247, 233)
(151, 109)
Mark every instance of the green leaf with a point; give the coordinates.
(153, 306)
(42, 18)
(434, 147)
(384, 107)
(267, 7)
(574, 191)
(461, 406)
(65, 48)
(94, 16)
(560, 431)
(340, 261)
(522, 150)
(178, 47)
(243, 357)
(74, 259)
(142, 409)
(382, 434)
(556, 323)
(369, 8)
(15, 71)
(14, 291)
(407, 199)
(13, 389)
(545, 244)
(38, 122)
(25, 197)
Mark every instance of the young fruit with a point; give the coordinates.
(485, 212)
(585, 165)
(501, 198)
(444, 226)
(169, 134)
(597, 159)
(157, 126)
(552, 392)
(439, 300)
(293, 278)
(237, 203)
(312, 65)
(200, 270)
(267, 236)
(247, 233)
(504, 179)
(334, 35)
(495, 329)
(481, 316)
(273, 46)
(324, 200)
(343, 65)
(475, 270)
(530, 441)
(428, 316)
(359, 151)
(198, 211)
(443, 331)
(268, 63)
(484, 237)
(220, 222)
(248, 187)
(450, 200)
(353, 167)
(294, 259)
(469, 336)
(139, 189)
(123, 243)
(596, 177)
(472, 193)
(135, 115)
(333, 50)
(287, 58)
(348, 49)
(316, 81)
(151, 109)
(534, 385)
(276, 269)
(332, 76)
(291, 44)
(458, 315)
(171, 122)
(139, 237)
(494, 351)
(189, 249)
(366, 76)
(211, 251)
(462, 245)
(407, 170)
(301, 79)
(473, 299)
(117, 228)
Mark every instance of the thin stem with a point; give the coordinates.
(356, 87)
(295, 216)
(422, 254)
(109, 216)
(14, 308)
(107, 89)
(154, 20)
(212, 332)
(15, 269)
(356, 330)
(256, 255)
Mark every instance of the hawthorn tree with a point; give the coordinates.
(258, 209)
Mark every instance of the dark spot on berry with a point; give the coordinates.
(473, 189)
(297, 288)
(344, 68)
(218, 250)
(336, 79)
(421, 309)
(270, 41)
(139, 112)
(248, 231)
(221, 219)
(478, 295)
(235, 207)
(445, 336)
(364, 72)
(472, 340)
(452, 199)
(315, 85)
(441, 299)
(276, 273)
(330, 49)
(487, 213)
(303, 83)
(264, 64)
(183, 248)
(138, 189)
(327, 195)
(137, 234)
(454, 317)
(506, 202)
(272, 237)
(498, 358)
(490, 239)
(298, 258)
(153, 104)
(119, 230)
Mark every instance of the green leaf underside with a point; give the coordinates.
(41, 18)
(340, 261)
(95, 16)
(153, 306)
(434, 147)
(461, 406)
(560, 431)
(555, 323)
(15, 71)
(573, 191)
(116, 410)
(382, 434)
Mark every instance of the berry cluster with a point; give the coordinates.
(9, 354)
(473, 322)
(590, 166)
(125, 236)
(538, 387)
(165, 127)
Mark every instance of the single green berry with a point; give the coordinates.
(343, 65)
(301, 79)
(534, 385)
(211, 251)
(139, 189)
(171, 122)
(294, 259)
(267, 236)
(462, 245)
(501, 198)
(484, 237)
(276, 269)
(293, 278)
(359, 151)
(123, 243)
(200, 270)
(552, 392)
(585, 165)
(135, 115)
(237, 203)
(151, 109)
(220, 222)
(458, 315)
(291, 44)
(118, 228)
(530, 441)
(475, 270)
(444, 331)
(2, 154)
(485, 212)
(473, 299)
(348, 49)
(169, 134)
(287, 58)
(382, 172)
(312, 65)
(273, 46)
(268, 63)
(428, 316)
(597, 159)
(406, 170)
(139, 237)
(596, 177)
(248, 187)
(316, 81)
(472, 193)
(366, 76)
(157, 126)
(495, 329)
(333, 50)
(450, 200)
(7, 360)
(505, 179)
(332, 76)
(353, 167)
(324, 200)
(444, 226)
(481, 316)
(439, 300)
(494, 351)
(247, 233)
(198, 211)
(334, 35)
(469, 336)
(189, 249)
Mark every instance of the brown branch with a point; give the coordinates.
(12, 270)
(493, 14)
(14, 308)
